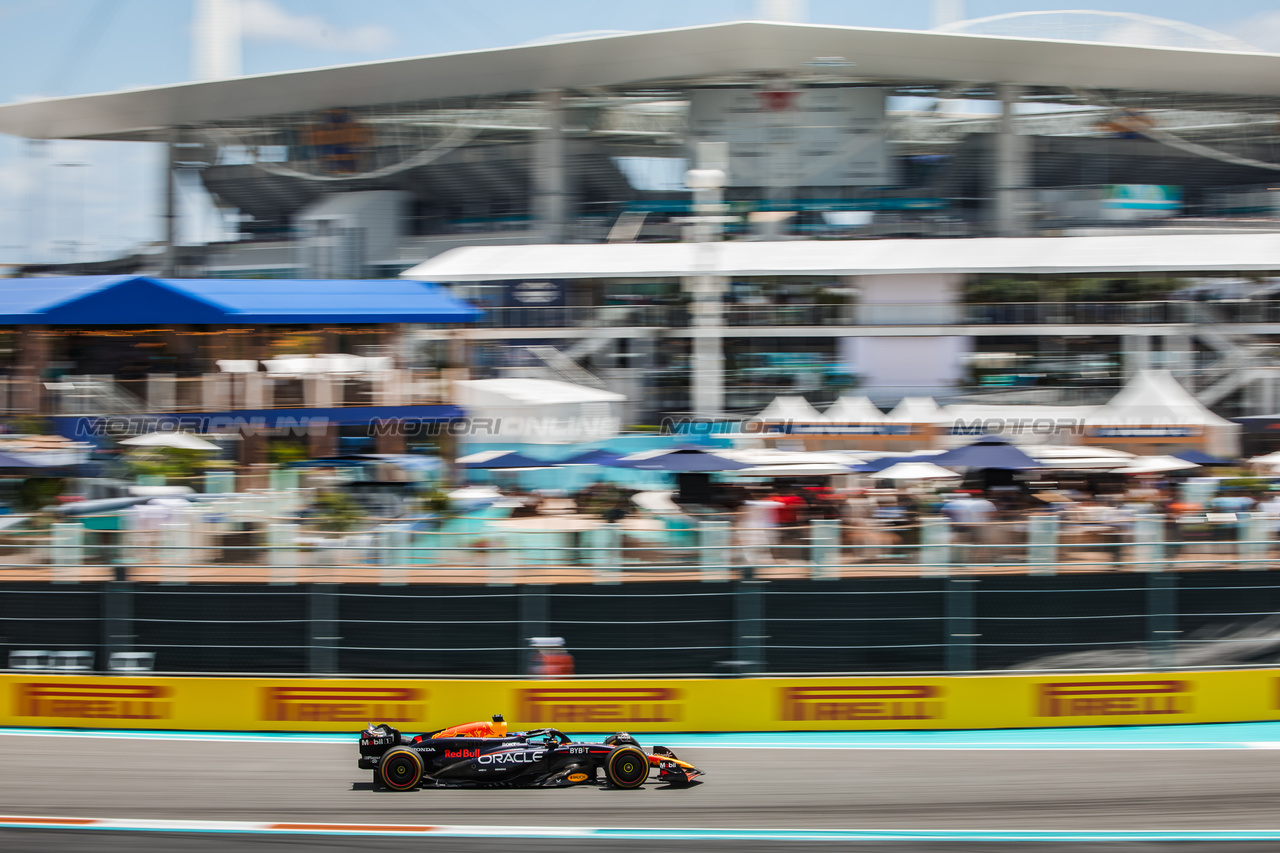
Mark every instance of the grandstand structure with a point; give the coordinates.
(916, 140)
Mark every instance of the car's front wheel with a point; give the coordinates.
(627, 767)
(400, 769)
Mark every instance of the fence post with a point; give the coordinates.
(959, 608)
(175, 545)
(1042, 544)
(66, 551)
(935, 547)
(713, 549)
(748, 626)
(219, 482)
(393, 552)
(824, 539)
(1254, 529)
(1162, 619)
(533, 622)
(322, 655)
(606, 556)
(117, 620)
(282, 554)
(1148, 543)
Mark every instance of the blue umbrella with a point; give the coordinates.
(500, 459)
(684, 460)
(1199, 457)
(591, 457)
(987, 452)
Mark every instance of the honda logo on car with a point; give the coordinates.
(601, 705)
(862, 702)
(343, 704)
(521, 757)
(1113, 698)
(93, 701)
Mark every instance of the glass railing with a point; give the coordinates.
(890, 314)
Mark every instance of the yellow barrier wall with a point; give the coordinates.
(748, 704)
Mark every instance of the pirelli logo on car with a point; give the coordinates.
(1114, 698)
(93, 701)
(343, 704)
(862, 702)
(601, 705)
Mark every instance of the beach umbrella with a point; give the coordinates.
(591, 457)
(916, 471)
(987, 452)
(175, 440)
(1199, 457)
(501, 459)
(682, 460)
(1155, 465)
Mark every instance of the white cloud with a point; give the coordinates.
(263, 20)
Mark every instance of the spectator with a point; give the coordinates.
(551, 660)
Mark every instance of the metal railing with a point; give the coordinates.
(891, 314)
(823, 598)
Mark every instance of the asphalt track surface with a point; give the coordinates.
(961, 790)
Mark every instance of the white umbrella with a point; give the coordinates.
(1155, 465)
(176, 440)
(812, 469)
(916, 471)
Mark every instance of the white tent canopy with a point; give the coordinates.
(915, 471)
(1154, 397)
(537, 411)
(790, 408)
(854, 410)
(915, 410)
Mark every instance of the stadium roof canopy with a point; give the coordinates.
(138, 300)
(720, 52)
(1026, 255)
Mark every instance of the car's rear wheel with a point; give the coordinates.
(627, 767)
(400, 769)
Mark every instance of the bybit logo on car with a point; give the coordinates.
(343, 704)
(862, 702)
(601, 705)
(1113, 698)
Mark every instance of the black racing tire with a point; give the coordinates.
(627, 767)
(400, 769)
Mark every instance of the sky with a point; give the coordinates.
(67, 199)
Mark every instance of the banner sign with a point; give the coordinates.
(668, 705)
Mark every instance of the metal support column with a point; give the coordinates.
(322, 653)
(706, 289)
(117, 621)
(549, 179)
(534, 610)
(1011, 167)
(1162, 619)
(748, 627)
(169, 264)
(960, 635)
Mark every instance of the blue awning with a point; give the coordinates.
(142, 300)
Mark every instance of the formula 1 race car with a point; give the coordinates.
(481, 755)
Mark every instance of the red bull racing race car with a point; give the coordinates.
(483, 754)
